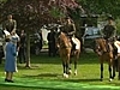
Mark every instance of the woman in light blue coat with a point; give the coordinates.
(10, 61)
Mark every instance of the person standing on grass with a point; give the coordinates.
(10, 60)
(40, 39)
(1, 49)
(15, 39)
(22, 47)
(51, 43)
(1, 54)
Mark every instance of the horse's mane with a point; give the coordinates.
(102, 45)
(64, 40)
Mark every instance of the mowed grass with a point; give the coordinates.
(50, 68)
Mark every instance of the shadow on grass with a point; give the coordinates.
(59, 77)
(82, 80)
(43, 75)
(63, 85)
(23, 87)
(90, 58)
(32, 67)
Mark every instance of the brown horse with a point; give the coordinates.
(117, 55)
(105, 53)
(65, 49)
(118, 65)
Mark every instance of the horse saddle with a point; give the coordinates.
(109, 46)
(73, 45)
(76, 43)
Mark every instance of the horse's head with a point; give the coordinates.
(2, 33)
(101, 46)
(118, 38)
(58, 29)
(2, 36)
(65, 40)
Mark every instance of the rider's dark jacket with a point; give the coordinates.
(109, 31)
(69, 29)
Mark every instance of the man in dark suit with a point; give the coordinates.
(51, 43)
(22, 47)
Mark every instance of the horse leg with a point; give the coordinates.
(110, 71)
(64, 67)
(101, 68)
(67, 68)
(64, 70)
(75, 62)
(70, 71)
(119, 74)
(118, 69)
(75, 67)
(114, 63)
(68, 60)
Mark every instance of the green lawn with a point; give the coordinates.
(46, 74)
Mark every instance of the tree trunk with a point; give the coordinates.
(28, 50)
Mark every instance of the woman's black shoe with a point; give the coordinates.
(6, 80)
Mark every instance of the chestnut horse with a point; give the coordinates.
(65, 49)
(105, 52)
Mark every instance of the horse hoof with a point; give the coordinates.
(110, 79)
(118, 78)
(65, 75)
(75, 73)
(101, 79)
(70, 72)
(113, 77)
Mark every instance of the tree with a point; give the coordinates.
(102, 6)
(32, 14)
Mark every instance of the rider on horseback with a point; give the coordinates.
(109, 32)
(69, 27)
(10, 24)
(70, 30)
